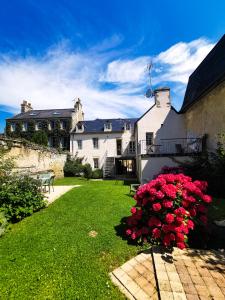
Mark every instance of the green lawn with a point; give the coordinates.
(50, 254)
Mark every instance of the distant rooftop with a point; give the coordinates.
(96, 126)
(44, 114)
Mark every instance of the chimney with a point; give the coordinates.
(162, 97)
(25, 106)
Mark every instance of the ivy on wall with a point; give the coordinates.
(55, 131)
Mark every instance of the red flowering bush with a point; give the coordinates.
(167, 208)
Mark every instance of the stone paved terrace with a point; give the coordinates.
(184, 274)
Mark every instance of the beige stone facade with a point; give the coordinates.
(207, 116)
(34, 158)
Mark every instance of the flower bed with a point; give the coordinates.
(167, 208)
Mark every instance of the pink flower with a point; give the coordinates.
(169, 218)
(181, 245)
(153, 221)
(190, 224)
(156, 206)
(133, 235)
(133, 210)
(167, 203)
(156, 233)
(170, 190)
(128, 232)
(207, 199)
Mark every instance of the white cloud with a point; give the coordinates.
(55, 79)
(178, 62)
(60, 76)
(124, 71)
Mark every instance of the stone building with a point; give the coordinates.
(56, 123)
(204, 101)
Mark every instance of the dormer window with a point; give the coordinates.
(79, 127)
(107, 126)
(127, 126)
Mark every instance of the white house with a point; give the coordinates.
(134, 147)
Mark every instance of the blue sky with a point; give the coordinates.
(54, 51)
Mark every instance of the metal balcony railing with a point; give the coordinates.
(171, 146)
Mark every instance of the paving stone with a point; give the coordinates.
(173, 276)
(133, 274)
(141, 281)
(202, 290)
(164, 286)
(166, 295)
(140, 268)
(176, 286)
(192, 297)
(197, 279)
(215, 291)
(133, 262)
(162, 276)
(150, 289)
(208, 280)
(132, 287)
(189, 288)
(179, 296)
(185, 278)
(192, 271)
(141, 295)
(170, 267)
(126, 267)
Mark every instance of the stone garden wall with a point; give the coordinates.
(34, 158)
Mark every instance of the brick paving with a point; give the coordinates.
(184, 274)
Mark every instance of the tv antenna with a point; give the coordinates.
(149, 93)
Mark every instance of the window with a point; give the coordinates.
(63, 124)
(24, 127)
(149, 138)
(96, 163)
(38, 126)
(13, 127)
(51, 125)
(107, 126)
(127, 126)
(95, 143)
(132, 147)
(79, 126)
(79, 144)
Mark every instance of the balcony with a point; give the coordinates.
(179, 146)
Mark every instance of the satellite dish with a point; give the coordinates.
(149, 93)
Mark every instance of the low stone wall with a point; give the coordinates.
(34, 158)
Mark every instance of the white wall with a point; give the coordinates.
(151, 166)
(106, 146)
(162, 120)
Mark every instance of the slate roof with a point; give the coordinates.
(44, 114)
(97, 126)
(208, 74)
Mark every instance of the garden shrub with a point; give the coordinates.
(73, 167)
(20, 197)
(167, 208)
(87, 170)
(97, 173)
